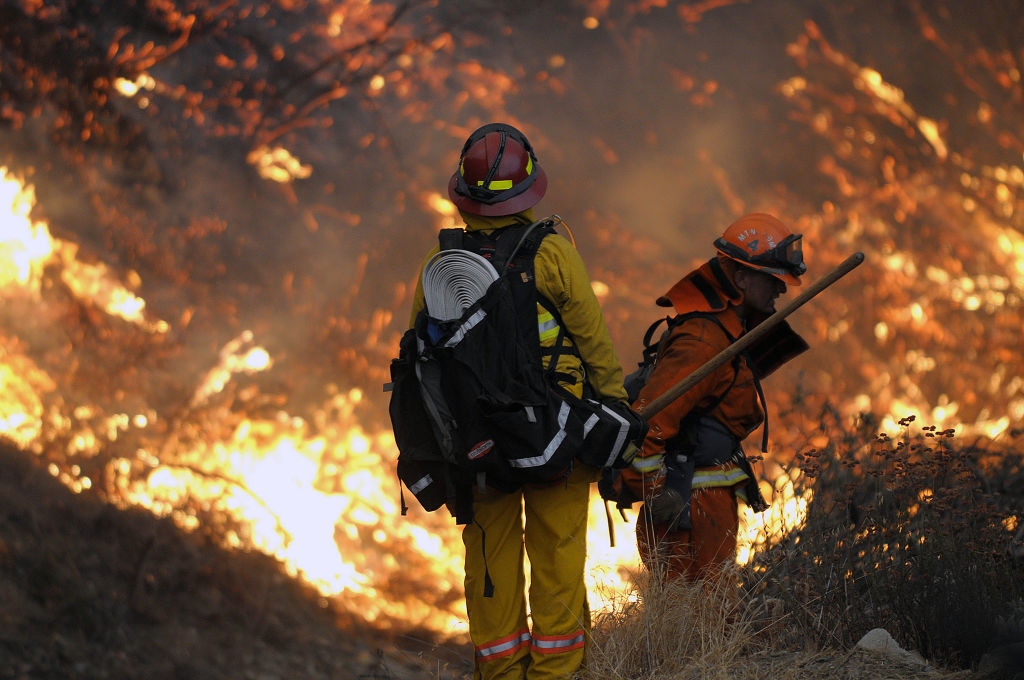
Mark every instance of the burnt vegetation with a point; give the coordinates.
(919, 533)
(149, 129)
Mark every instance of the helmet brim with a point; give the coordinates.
(780, 273)
(518, 203)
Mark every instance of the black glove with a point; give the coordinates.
(613, 488)
(637, 431)
(668, 506)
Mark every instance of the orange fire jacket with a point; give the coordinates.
(690, 345)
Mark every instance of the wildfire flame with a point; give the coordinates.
(278, 164)
(24, 244)
(317, 491)
(312, 494)
(26, 248)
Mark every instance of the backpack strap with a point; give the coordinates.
(451, 239)
(530, 242)
(558, 348)
(650, 350)
(507, 248)
(743, 355)
(508, 244)
(757, 383)
(764, 406)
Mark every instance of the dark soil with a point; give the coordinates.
(88, 591)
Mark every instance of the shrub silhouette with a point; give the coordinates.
(913, 533)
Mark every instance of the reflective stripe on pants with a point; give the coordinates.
(556, 644)
(554, 536)
(505, 646)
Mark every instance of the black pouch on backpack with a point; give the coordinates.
(542, 443)
(611, 433)
(421, 466)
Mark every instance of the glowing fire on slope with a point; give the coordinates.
(948, 289)
(26, 247)
(309, 493)
(314, 492)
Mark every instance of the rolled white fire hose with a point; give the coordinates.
(453, 280)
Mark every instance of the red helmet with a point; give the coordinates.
(497, 174)
(762, 242)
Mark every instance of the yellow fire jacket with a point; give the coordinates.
(562, 279)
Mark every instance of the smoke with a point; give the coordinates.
(657, 127)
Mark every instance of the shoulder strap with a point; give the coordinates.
(557, 348)
(528, 244)
(528, 241)
(502, 245)
(451, 239)
(682, 318)
(750, 364)
(757, 385)
(764, 406)
(651, 348)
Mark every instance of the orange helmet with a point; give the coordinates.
(762, 242)
(498, 173)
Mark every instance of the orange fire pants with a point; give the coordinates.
(701, 552)
(507, 647)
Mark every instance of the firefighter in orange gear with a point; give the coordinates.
(691, 468)
(496, 184)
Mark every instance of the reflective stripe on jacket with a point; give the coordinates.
(726, 474)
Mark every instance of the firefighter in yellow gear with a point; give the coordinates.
(496, 184)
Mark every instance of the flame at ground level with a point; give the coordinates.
(319, 493)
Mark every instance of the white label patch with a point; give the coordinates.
(480, 449)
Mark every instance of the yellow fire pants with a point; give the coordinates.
(555, 536)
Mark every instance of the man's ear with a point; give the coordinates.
(741, 278)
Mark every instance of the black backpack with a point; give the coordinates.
(635, 381)
(476, 402)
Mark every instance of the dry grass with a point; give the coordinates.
(649, 631)
(914, 534)
(681, 631)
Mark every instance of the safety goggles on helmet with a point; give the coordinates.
(785, 257)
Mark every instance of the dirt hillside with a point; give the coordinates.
(88, 591)
(91, 592)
